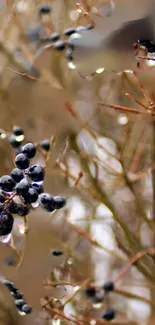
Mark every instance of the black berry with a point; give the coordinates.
(6, 223)
(22, 210)
(31, 196)
(9, 285)
(17, 175)
(29, 150)
(2, 197)
(26, 309)
(109, 314)
(69, 31)
(12, 208)
(22, 161)
(108, 286)
(59, 46)
(45, 144)
(57, 252)
(44, 9)
(54, 37)
(17, 130)
(47, 201)
(38, 187)
(23, 187)
(58, 202)
(36, 173)
(7, 183)
(14, 143)
(19, 303)
(90, 292)
(17, 295)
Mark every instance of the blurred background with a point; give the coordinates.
(99, 104)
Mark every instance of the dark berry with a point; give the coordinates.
(69, 31)
(23, 187)
(31, 196)
(17, 130)
(45, 144)
(12, 208)
(26, 309)
(59, 202)
(108, 286)
(19, 303)
(69, 54)
(57, 252)
(14, 143)
(17, 295)
(22, 210)
(17, 175)
(36, 173)
(109, 314)
(7, 183)
(59, 46)
(80, 29)
(22, 161)
(44, 9)
(38, 187)
(54, 37)
(29, 150)
(10, 285)
(6, 223)
(90, 292)
(2, 197)
(47, 201)
(1, 207)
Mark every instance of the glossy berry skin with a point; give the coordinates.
(22, 187)
(12, 208)
(31, 196)
(9, 285)
(14, 143)
(17, 175)
(2, 197)
(17, 295)
(19, 303)
(109, 314)
(17, 130)
(22, 210)
(38, 187)
(59, 46)
(29, 150)
(90, 292)
(26, 309)
(22, 161)
(54, 37)
(7, 183)
(69, 31)
(47, 201)
(108, 286)
(45, 144)
(59, 202)
(57, 252)
(36, 173)
(44, 9)
(6, 223)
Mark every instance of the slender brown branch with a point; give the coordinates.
(134, 296)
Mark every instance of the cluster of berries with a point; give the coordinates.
(23, 190)
(55, 38)
(22, 307)
(91, 292)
